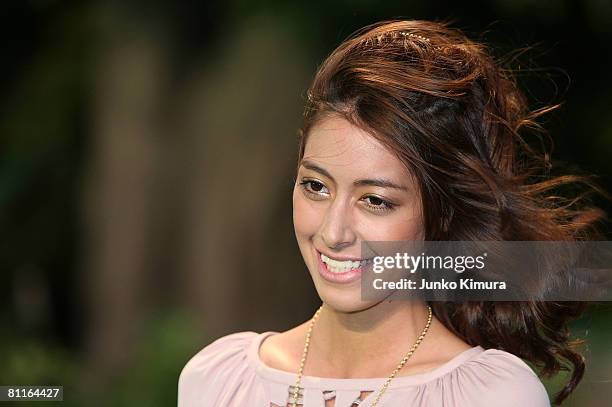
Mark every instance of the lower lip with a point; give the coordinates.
(341, 278)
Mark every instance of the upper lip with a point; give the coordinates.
(340, 258)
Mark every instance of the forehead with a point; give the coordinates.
(337, 145)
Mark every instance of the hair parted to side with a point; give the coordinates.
(456, 118)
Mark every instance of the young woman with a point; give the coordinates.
(411, 132)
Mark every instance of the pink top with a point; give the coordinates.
(229, 372)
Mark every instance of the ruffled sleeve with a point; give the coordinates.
(219, 374)
(228, 373)
(496, 378)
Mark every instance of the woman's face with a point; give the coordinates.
(349, 189)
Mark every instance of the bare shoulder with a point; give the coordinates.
(282, 350)
(447, 343)
(438, 348)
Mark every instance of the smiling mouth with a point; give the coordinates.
(338, 266)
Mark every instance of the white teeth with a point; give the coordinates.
(336, 266)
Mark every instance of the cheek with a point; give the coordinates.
(411, 229)
(305, 215)
(404, 225)
(411, 226)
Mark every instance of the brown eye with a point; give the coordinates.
(376, 201)
(378, 204)
(314, 188)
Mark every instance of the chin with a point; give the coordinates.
(342, 299)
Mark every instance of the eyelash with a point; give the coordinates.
(388, 206)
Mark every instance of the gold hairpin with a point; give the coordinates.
(419, 37)
(408, 34)
(370, 41)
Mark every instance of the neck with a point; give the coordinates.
(367, 343)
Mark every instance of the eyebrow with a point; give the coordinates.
(376, 182)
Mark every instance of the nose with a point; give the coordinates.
(337, 229)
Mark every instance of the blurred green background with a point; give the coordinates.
(147, 156)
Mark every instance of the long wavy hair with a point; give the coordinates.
(456, 118)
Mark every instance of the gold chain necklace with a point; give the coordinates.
(297, 389)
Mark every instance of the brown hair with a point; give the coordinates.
(456, 119)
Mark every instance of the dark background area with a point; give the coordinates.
(147, 155)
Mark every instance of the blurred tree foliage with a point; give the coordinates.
(53, 107)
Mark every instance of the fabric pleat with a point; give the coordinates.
(229, 372)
